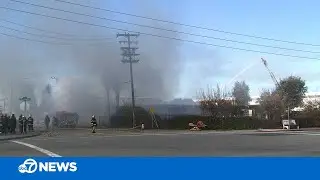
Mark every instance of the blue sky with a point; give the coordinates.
(205, 66)
(287, 20)
(208, 65)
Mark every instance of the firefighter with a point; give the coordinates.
(6, 120)
(20, 124)
(142, 126)
(25, 124)
(30, 123)
(47, 122)
(1, 124)
(13, 124)
(4, 124)
(93, 124)
(55, 122)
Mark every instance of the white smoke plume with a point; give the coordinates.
(86, 67)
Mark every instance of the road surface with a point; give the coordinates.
(165, 143)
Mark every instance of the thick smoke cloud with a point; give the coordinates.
(85, 68)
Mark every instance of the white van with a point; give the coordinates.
(289, 124)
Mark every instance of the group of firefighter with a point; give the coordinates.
(8, 124)
(55, 122)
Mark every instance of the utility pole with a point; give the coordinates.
(108, 104)
(11, 93)
(25, 100)
(129, 54)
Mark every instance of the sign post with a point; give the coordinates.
(25, 100)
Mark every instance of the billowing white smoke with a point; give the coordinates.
(73, 94)
(97, 62)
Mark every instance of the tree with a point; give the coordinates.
(216, 103)
(271, 104)
(241, 93)
(292, 90)
(311, 110)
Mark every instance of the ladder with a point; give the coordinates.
(153, 119)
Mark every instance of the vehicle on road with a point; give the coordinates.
(289, 124)
(67, 119)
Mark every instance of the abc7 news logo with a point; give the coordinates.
(29, 166)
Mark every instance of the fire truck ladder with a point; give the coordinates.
(274, 79)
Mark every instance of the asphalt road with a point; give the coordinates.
(166, 143)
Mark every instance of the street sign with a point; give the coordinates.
(22, 106)
(151, 110)
(25, 99)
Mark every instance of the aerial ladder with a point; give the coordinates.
(274, 79)
(277, 86)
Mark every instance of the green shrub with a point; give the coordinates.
(307, 121)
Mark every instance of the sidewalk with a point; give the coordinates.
(18, 136)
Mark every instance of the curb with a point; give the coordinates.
(104, 129)
(278, 130)
(20, 137)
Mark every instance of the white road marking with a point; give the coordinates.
(44, 151)
(308, 134)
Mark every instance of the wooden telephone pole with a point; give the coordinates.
(129, 54)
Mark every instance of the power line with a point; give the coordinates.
(27, 39)
(38, 29)
(42, 36)
(38, 35)
(47, 42)
(188, 25)
(163, 29)
(54, 32)
(159, 36)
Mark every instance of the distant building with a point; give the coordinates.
(166, 109)
(254, 101)
(312, 96)
(191, 107)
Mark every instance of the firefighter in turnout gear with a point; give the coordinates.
(25, 124)
(30, 123)
(13, 124)
(93, 124)
(47, 122)
(20, 124)
(4, 123)
(55, 123)
(1, 126)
